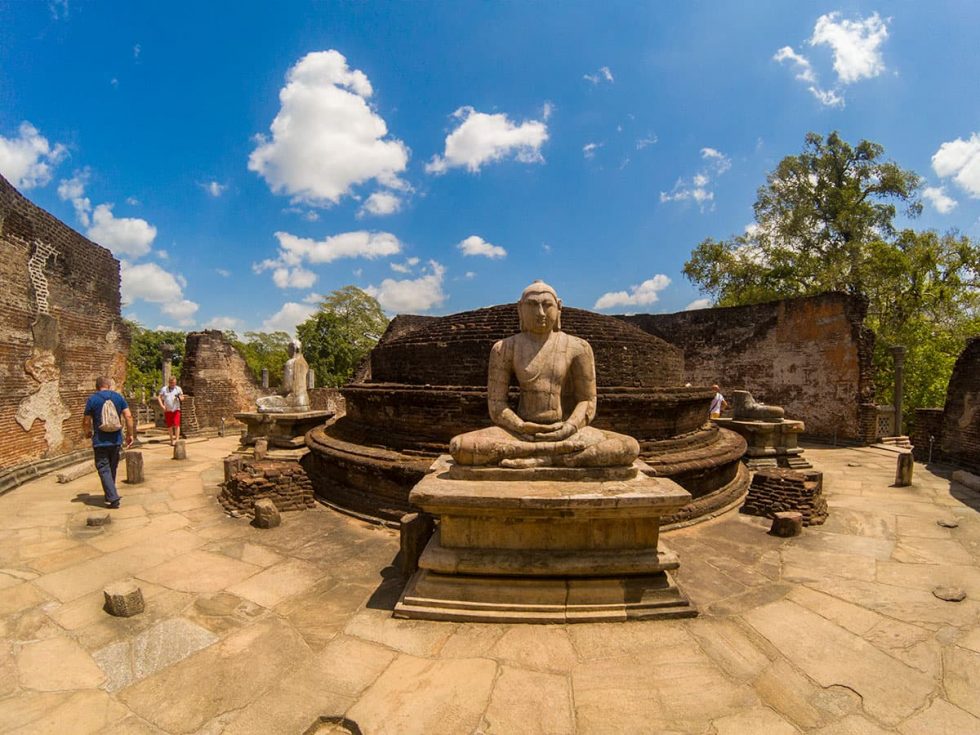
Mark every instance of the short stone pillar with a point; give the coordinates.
(261, 448)
(898, 355)
(266, 514)
(180, 449)
(310, 380)
(233, 464)
(134, 467)
(787, 523)
(903, 470)
(416, 530)
(123, 599)
(265, 378)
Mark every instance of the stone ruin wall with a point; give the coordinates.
(956, 427)
(215, 373)
(60, 328)
(810, 355)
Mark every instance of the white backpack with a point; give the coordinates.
(109, 420)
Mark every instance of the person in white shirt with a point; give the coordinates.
(169, 399)
(718, 403)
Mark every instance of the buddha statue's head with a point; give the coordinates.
(539, 309)
(294, 347)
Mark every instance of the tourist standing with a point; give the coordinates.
(169, 399)
(718, 403)
(103, 424)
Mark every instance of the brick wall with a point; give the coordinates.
(928, 422)
(810, 355)
(60, 328)
(960, 442)
(779, 490)
(215, 373)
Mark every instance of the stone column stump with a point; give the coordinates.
(233, 464)
(180, 449)
(787, 523)
(416, 530)
(261, 448)
(123, 599)
(266, 514)
(903, 470)
(134, 467)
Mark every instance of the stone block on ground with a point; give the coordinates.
(180, 449)
(415, 531)
(98, 519)
(775, 490)
(232, 464)
(786, 524)
(76, 471)
(903, 469)
(123, 599)
(261, 448)
(967, 479)
(266, 514)
(134, 466)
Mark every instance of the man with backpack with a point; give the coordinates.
(103, 424)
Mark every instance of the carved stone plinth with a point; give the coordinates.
(286, 430)
(772, 443)
(123, 599)
(544, 545)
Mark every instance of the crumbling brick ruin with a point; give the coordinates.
(777, 490)
(956, 427)
(284, 482)
(216, 375)
(60, 328)
(810, 355)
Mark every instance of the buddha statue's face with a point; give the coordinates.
(539, 312)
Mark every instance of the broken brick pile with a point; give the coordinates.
(284, 482)
(776, 490)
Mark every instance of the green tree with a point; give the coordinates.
(825, 221)
(263, 350)
(340, 334)
(144, 366)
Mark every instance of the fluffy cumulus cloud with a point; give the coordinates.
(381, 203)
(476, 245)
(28, 159)
(326, 138)
(286, 319)
(288, 271)
(856, 47)
(939, 199)
(411, 294)
(960, 160)
(698, 304)
(183, 311)
(126, 236)
(481, 138)
(214, 188)
(698, 187)
(642, 295)
(405, 267)
(223, 323)
(149, 282)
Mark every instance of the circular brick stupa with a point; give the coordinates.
(427, 383)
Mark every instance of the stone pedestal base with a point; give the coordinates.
(770, 443)
(544, 545)
(285, 430)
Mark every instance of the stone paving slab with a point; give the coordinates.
(835, 632)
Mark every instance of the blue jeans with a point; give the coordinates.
(106, 461)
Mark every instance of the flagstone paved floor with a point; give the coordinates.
(273, 631)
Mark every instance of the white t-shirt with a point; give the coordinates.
(716, 403)
(171, 401)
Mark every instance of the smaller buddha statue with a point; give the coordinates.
(556, 375)
(292, 396)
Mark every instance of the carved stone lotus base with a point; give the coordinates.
(544, 545)
(769, 443)
(285, 430)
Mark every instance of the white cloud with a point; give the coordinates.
(132, 201)
(482, 138)
(469, 275)
(698, 304)
(697, 188)
(214, 188)
(381, 203)
(149, 282)
(223, 323)
(589, 149)
(136, 51)
(29, 160)
(805, 71)
(411, 295)
(642, 143)
(855, 43)
(641, 295)
(476, 245)
(183, 311)
(960, 159)
(124, 236)
(224, 273)
(943, 203)
(547, 110)
(287, 270)
(286, 319)
(326, 138)
(293, 277)
(405, 267)
(603, 75)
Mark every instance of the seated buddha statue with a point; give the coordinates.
(556, 374)
(292, 396)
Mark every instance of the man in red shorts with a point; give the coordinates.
(169, 399)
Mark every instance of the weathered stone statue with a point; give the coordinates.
(744, 406)
(556, 374)
(292, 396)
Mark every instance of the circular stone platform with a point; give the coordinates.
(428, 383)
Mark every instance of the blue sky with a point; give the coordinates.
(243, 159)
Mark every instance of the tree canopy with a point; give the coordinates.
(144, 366)
(340, 334)
(825, 221)
(263, 350)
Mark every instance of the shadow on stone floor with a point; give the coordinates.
(97, 501)
(387, 593)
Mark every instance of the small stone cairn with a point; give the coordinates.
(776, 490)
